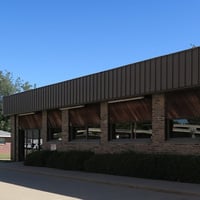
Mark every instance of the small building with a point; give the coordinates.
(148, 106)
(5, 145)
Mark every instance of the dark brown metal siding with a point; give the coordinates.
(165, 73)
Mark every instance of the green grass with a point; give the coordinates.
(4, 156)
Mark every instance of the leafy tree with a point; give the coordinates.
(8, 86)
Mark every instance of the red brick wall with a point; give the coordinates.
(5, 148)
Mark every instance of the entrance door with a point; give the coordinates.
(21, 145)
(32, 141)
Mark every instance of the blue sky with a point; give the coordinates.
(48, 41)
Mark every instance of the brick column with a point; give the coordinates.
(104, 122)
(44, 130)
(14, 133)
(158, 118)
(65, 125)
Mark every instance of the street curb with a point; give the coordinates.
(113, 183)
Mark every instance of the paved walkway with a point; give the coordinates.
(137, 183)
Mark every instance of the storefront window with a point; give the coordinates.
(184, 128)
(54, 133)
(183, 118)
(131, 130)
(85, 133)
(54, 125)
(85, 123)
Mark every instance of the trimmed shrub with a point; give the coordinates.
(184, 168)
(37, 158)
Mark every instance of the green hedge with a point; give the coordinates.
(71, 160)
(183, 168)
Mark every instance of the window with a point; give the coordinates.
(54, 133)
(85, 133)
(184, 128)
(129, 130)
(130, 119)
(2, 141)
(85, 123)
(54, 124)
(183, 114)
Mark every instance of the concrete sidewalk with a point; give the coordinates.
(137, 183)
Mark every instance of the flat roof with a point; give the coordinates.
(4, 134)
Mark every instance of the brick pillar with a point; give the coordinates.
(104, 122)
(44, 130)
(158, 118)
(65, 125)
(14, 133)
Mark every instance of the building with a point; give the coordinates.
(148, 106)
(5, 145)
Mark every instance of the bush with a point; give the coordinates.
(155, 166)
(37, 158)
(71, 160)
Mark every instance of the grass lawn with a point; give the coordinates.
(4, 156)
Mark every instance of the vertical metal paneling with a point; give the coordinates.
(43, 97)
(71, 92)
(98, 87)
(123, 81)
(65, 92)
(91, 88)
(147, 76)
(68, 92)
(182, 69)
(142, 77)
(35, 99)
(78, 90)
(169, 72)
(164, 73)
(84, 90)
(119, 82)
(128, 80)
(81, 90)
(158, 73)
(199, 65)
(110, 79)
(132, 81)
(114, 83)
(137, 78)
(188, 62)
(102, 76)
(176, 70)
(59, 96)
(195, 66)
(95, 87)
(153, 76)
(87, 88)
(106, 85)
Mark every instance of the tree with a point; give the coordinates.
(8, 86)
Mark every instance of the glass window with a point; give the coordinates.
(143, 130)
(121, 131)
(2, 141)
(184, 128)
(130, 130)
(54, 133)
(85, 122)
(85, 133)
